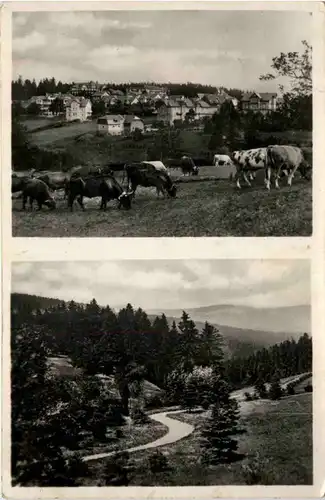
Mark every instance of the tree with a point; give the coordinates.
(40, 432)
(57, 106)
(297, 67)
(275, 391)
(117, 470)
(34, 109)
(260, 388)
(211, 347)
(188, 341)
(190, 115)
(218, 436)
(98, 108)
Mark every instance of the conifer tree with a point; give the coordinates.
(275, 391)
(219, 441)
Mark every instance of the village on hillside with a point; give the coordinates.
(120, 111)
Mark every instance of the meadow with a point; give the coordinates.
(204, 206)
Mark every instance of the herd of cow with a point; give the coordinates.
(80, 183)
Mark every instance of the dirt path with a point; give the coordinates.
(176, 430)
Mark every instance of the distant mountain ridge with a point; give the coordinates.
(284, 321)
(233, 322)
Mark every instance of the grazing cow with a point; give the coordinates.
(188, 166)
(248, 162)
(92, 187)
(220, 160)
(36, 189)
(145, 174)
(54, 180)
(286, 159)
(18, 182)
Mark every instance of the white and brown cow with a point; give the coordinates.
(283, 159)
(248, 162)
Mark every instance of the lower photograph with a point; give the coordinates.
(161, 373)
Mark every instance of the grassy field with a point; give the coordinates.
(44, 138)
(277, 445)
(206, 208)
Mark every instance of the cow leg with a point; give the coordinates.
(268, 173)
(31, 201)
(246, 179)
(80, 201)
(290, 177)
(236, 178)
(24, 201)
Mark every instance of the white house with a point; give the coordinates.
(132, 123)
(78, 109)
(111, 124)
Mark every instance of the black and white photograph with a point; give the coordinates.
(162, 123)
(161, 373)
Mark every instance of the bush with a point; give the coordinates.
(309, 388)
(290, 390)
(255, 471)
(248, 396)
(155, 401)
(158, 462)
(138, 416)
(205, 404)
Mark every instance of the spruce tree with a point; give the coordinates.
(260, 388)
(218, 436)
(275, 391)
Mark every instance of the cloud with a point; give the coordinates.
(30, 42)
(169, 284)
(215, 47)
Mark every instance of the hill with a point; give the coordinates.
(239, 341)
(294, 320)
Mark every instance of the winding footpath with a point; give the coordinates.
(176, 430)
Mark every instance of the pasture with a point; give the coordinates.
(48, 137)
(277, 448)
(204, 206)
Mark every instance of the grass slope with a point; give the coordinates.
(213, 208)
(278, 440)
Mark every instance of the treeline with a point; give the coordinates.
(99, 339)
(283, 360)
(25, 89)
(22, 90)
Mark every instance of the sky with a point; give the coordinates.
(221, 48)
(169, 284)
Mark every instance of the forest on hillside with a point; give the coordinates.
(55, 417)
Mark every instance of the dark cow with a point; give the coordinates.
(36, 189)
(18, 182)
(248, 162)
(287, 159)
(106, 187)
(188, 166)
(146, 175)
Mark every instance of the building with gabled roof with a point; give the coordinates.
(78, 109)
(263, 102)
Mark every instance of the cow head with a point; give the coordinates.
(195, 170)
(125, 200)
(172, 191)
(51, 203)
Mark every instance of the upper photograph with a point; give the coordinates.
(170, 123)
